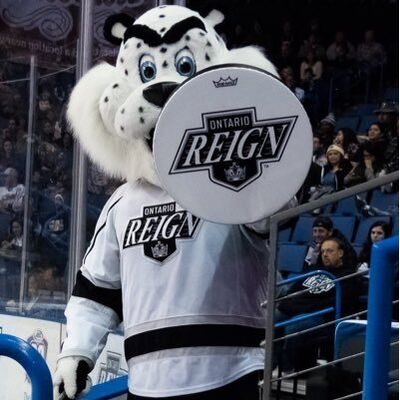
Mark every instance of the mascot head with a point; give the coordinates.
(113, 110)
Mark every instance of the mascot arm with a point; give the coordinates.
(95, 308)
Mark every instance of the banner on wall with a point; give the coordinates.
(47, 337)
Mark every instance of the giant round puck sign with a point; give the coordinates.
(233, 144)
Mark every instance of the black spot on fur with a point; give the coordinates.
(208, 44)
(122, 110)
(106, 99)
(165, 64)
(125, 46)
(163, 30)
(122, 128)
(126, 72)
(207, 57)
(163, 50)
(140, 109)
(139, 45)
(187, 37)
(161, 16)
(121, 60)
(202, 34)
(141, 120)
(115, 85)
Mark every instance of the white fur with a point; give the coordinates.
(107, 110)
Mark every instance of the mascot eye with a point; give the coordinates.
(185, 64)
(147, 68)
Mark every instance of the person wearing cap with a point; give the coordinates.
(323, 229)
(326, 129)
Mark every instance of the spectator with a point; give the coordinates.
(370, 52)
(285, 58)
(311, 62)
(319, 153)
(333, 173)
(15, 236)
(288, 79)
(9, 157)
(388, 116)
(323, 229)
(376, 134)
(370, 167)
(347, 138)
(12, 194)
(326, 130)
(378, 231)
(341, 51)
(321, 293)
(311, 44)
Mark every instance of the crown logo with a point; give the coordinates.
(159, 250)
(235, 173)
(225, 82)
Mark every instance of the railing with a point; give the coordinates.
(377, 348)
(272, 280)
(33, 363)
(108, 390)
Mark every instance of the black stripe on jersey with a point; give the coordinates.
(192, 336)
(99, 230)
(111, 298)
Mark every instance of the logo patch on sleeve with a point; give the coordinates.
(158, 229)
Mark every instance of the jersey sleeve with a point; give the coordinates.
(95, 307)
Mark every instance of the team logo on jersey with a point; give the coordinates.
(158, 229)
(233, 146)
(319, 284)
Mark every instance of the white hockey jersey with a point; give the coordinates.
(188, 291)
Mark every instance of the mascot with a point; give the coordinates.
(191, 313)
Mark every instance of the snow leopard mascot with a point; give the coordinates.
(191, 314)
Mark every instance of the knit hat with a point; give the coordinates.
(337, 148)
(323, 222)
(329, 119)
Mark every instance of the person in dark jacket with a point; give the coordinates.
(319, 292)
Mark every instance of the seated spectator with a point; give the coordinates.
(388, 117)
(370, 52)
(378, 231)
(341, 50)
(320, 294)
(326, 129)
(323, 229)
(311, 62)
(15, 236)
(347, 138)
(370, 167)
(333, 173)
(9, 157)
(288, 79)
(12, 193)
(311, 44)
(319, 152)
(285, 58)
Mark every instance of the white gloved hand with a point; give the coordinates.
(71, 377)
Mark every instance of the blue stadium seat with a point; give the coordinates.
(392, 94)
(366, 121)
(290, 257)
(284, 235)
(385, 201)
(344, 224)
(347, 206)
(347, 122)
(365, 224)
(302, 231)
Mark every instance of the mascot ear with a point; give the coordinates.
(214, 18)
(115, 27)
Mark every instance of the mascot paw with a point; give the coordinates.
(71, 377)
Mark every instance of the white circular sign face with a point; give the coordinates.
(233, 144)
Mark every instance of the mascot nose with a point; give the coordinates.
(158, 93)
